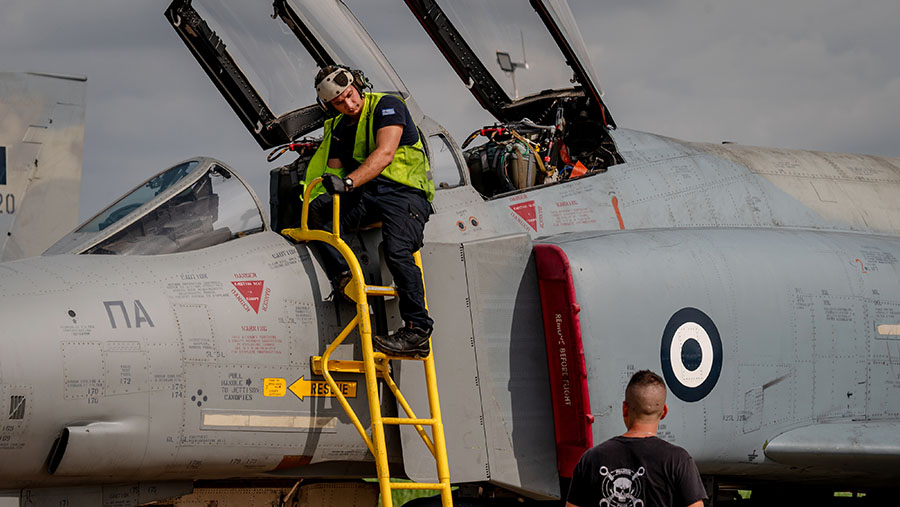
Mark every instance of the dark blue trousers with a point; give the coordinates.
(402, 211)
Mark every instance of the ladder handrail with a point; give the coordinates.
(373, 371)
(334, 239)
(337, 391)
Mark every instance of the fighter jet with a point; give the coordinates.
(41, 138)
(173, 353)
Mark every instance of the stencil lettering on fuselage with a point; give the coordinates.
(7, 199)
(140, 314)
(691, 354)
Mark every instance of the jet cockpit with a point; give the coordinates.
(192, 205)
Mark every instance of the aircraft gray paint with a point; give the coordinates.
(41, 138)
(762, 283)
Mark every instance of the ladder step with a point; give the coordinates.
(407, 420)
(418, 485)
(348, 366)
(380, 290)
(352, 366)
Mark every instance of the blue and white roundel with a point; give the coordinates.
(691, 354)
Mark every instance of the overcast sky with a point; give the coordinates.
(812, 74)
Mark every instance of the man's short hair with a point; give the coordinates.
(645, 394)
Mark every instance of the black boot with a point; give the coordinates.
(408, 341)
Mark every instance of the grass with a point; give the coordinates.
(745, 494)
(401, 496)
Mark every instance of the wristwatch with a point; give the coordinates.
(348, 183)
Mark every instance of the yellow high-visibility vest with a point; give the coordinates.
(409, 167)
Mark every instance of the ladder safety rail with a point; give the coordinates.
(375, 365)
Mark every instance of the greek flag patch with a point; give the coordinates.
(386, 111)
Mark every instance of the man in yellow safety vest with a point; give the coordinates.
(372, 154)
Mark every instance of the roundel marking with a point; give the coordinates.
(691, 354)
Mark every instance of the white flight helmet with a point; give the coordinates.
(334, 84)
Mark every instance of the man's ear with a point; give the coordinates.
(665, 411)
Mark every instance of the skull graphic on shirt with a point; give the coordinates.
(621, 487)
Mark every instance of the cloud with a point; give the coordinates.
(802, 74)
(66, 27)
(817, 74)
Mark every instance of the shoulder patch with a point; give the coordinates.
(387, 111)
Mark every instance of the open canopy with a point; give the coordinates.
(512, 53)
(516, 56)
(264, 64)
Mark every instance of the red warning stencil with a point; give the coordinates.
(251, 290)
(526, 211)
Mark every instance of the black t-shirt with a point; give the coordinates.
(388, 111)
(633, 472)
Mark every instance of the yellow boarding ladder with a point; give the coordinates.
(375, 365)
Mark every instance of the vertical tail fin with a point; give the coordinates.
(41, 140)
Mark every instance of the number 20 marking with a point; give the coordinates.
(7, 203)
